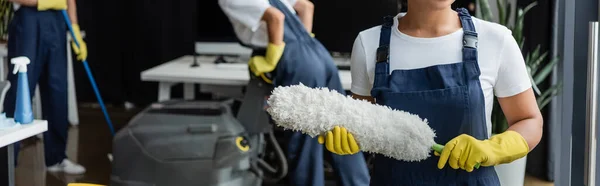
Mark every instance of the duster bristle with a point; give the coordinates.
(378, 129)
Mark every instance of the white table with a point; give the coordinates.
(10, 136)
(207, 73)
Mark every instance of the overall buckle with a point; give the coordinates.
(383, 54)
(470, 39)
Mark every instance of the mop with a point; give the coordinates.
(90, 77)
(92, 81)
(377, 129)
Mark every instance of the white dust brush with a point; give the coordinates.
(377, 129)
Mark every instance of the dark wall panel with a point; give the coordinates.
(126, 39)
(104, 31)
(585, 11)
(338, 22)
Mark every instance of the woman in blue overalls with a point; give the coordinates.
(38, 31)
(422, 62)
(298, 58)
(305, 60)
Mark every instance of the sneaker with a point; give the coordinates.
(68, 167)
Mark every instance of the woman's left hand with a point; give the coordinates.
(465, 151)
(339, 141)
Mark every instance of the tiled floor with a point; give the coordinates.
(89, 143)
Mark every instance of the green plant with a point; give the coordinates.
(6, 13)
(537, 65)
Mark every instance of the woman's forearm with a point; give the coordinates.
(72, 11)
(531, 129)
(305, 10)
(275, 20)
(32, 3)
(523, 116)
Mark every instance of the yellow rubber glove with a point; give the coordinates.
(339, 141)
(264, 64)
(81, 51)
(465, 152)
(51, 5)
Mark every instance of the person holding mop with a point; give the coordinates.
(445, 66)
(38, 31)
(286, 53)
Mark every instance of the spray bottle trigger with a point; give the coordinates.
(20, 64)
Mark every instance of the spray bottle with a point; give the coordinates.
(23, 111)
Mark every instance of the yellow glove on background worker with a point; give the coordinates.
(339, 141)
(81, 51)
(259, 65)
(51, 5)
(465, 152)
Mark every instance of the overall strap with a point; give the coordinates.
(470, 36)
(382, 63)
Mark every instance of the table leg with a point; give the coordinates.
(164, 91)
(7, 161)
(188, 91)
(2, 67)
(11, 165)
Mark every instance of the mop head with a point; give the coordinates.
(377, 129)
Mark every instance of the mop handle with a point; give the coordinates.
(90, 77)
(439, 148)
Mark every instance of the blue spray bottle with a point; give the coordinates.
(23, 111)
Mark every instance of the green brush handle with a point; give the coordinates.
(439, 148)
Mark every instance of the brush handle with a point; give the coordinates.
(439, 148)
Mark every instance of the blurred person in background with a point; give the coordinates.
(38, 31)
(286, 53)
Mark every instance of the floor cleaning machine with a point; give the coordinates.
(200, 143)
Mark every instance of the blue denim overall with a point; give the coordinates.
(449, 96)
(41, 36)
(305, 60)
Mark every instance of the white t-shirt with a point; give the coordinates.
(503, 70)
(16, 6)
(245, 16)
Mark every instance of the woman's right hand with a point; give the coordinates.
(339, 141)
(259, 65)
